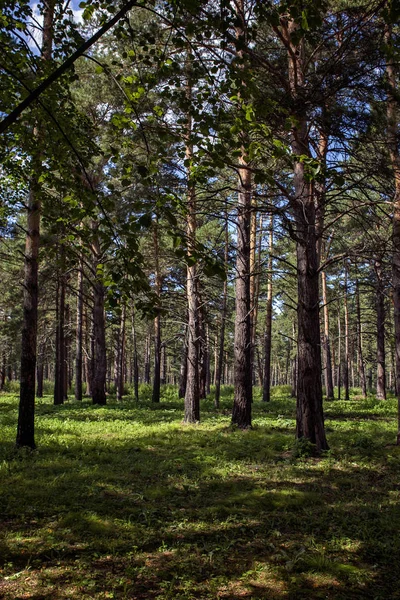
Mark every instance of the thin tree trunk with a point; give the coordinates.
(135, 360)
(157, 320)
(120, 371)
(183, 369)
(192, 400)
(268, 319)
(224, 310)
(79, 335)
(147, 354)
(327, 343)
(380, 334)
(3, 369)
(99, 350)
(392, 135)
(40, 371)
(88, 356)
(241, 413)
(339, 355)
(67, 345)
(346, 383)
(361, 366)
(202, 348)
(59, 384)
(26, 414)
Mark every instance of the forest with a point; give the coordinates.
(200, 317)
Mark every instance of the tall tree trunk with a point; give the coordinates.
(59, 384)
(157, 320)
(135, 360)
(327, 343)
(39, 370)
(253, 280)
(255, 349)
(99, 349)
(207, 362)
(241, 413)
(183, 369)
(363, 380)
(268, 319)
(147, 354)
(392, 135)
(224, 311)
(346, 378)
(339, 355)
(202, 348)
(380, 334)
(26, 414)
(310, 418)
(99, 354)
(79, 335)
(120, 371)
(67, 345)
(192, 399)
(88, 355)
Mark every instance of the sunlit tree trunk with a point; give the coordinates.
(99, 330)
(346, 382)
(26, 415)
(268, 319)
(120, 371)
(327, 343)
(135, 360)
(192, 399)
(241, 414)
(224, 311)
(79, 335)
(380, 334)
(392, 135)
(310, 418)
(183, 369)
(361, 366)
(59, 384)
(157, 320)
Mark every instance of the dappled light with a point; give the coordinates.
(126, 502)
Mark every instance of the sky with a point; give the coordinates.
(73, 4)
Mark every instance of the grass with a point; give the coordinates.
(124, 501)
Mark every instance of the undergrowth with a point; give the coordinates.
(124, 501)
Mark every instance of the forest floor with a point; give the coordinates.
(124, 501)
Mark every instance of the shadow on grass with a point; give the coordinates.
(115, 506)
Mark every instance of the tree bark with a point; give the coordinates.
(88, 356)
(327, 343)
(157, 320)
(380, 334)
(310, 418)
(147, 354)
(120, 371)
(135, 360)
(392, 135)
(79, 335)
(363, 380)
(346, 379)
(224, 311)
(26, 415)
(99, 346)
(183, 369)
(268, 320)
(192, 399)
(40, 371)
(241, 413)
(59, 383)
